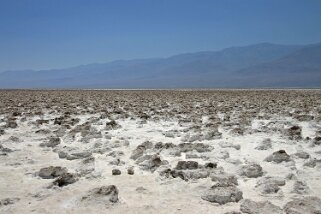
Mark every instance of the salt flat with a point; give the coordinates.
(154, 151)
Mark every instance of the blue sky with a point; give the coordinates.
(42, 34)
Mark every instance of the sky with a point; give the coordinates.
(45, 34)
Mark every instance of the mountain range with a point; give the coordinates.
(261, 65)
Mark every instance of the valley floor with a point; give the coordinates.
(216, 151)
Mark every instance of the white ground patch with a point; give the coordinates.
(18, 179)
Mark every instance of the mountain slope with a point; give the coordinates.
(302, 68)
(231, 67)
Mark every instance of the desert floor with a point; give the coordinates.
(160, 151)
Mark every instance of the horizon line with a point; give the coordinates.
(164, 57)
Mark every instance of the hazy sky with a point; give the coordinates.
(40, 34)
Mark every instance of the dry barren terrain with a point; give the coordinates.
(160, 151)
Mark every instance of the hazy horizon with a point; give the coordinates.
(60, 34)
(157, 57)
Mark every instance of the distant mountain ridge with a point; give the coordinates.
(259, 65)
